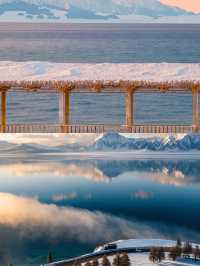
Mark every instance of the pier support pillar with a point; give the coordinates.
(129, 108)
(3, 111)
(196, 110)
(64, 109)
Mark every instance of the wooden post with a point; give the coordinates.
(64, 108)
(196, 109)
(3, 111)
(129, 108)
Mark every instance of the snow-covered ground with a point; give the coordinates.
(106, 71)
(180, 262)
(142, 259)
(141, 243)
(138, 259)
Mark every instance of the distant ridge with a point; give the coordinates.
(111, 142)
(115, 141)
(90, 10)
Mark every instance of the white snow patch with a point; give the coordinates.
(141, 243)
(104, 71)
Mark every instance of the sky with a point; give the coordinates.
(191, 5)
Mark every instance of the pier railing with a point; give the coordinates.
(54, 128)
(128, 88)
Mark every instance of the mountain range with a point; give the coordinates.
(110, 141)
(88, 10)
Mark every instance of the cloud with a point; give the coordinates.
(50, 140)
(33, 221)
(68, 196)
(31, 218)
(56, 168)
(175, 178)
(143, 195)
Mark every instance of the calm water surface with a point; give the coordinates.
(97, 43)
(58, 205)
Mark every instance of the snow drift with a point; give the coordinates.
(155, 72)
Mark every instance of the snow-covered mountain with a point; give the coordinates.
(104, 10)
(111, 142)
(114, 141)
(12, 148)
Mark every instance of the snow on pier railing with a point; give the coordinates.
(51, 77)
(153, 72)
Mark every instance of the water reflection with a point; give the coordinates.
(30, 223)
(69, 206)
(54, 168)
(175, 172)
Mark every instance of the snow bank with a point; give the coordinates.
(140, 243)
(143, 243)
(63, 71)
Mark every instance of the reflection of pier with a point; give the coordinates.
(129, 88)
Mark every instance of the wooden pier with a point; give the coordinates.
(129, 88)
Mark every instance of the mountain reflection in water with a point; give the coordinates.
(179, 172)
(70, 206)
